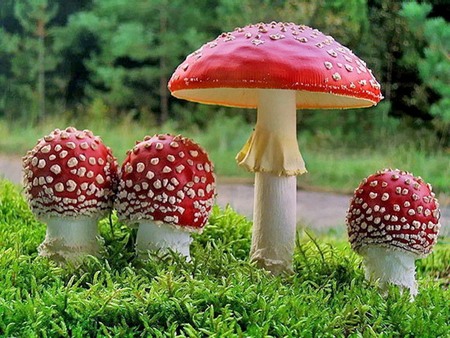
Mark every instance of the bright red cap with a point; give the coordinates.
(169, 179)
(227, 71)
(392, 208)
(70, 173)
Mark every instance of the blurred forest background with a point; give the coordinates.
(105, 64)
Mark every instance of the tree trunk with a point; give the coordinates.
(40, 32)
(163, 91)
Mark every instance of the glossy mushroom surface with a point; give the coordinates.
(69, 179)
(230, 69)
(393, 219)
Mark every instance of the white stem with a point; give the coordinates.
(272, 152)
(274, 222)
(152, 236)
(390, 266)
(70, 239)
(273, 147)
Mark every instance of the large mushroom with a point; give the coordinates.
(393, 219)
(276, 68)
(69, 179)
(166, 189)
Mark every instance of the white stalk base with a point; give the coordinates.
(162, 237)
(70, 239)
(274, 222)
(387, 266)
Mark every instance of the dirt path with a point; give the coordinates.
(317, 210)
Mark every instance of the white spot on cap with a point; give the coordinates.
(99, 178)
(46, 149)
(71, 185)
(56, 169)
(41, 164)
(332, 53)
(72, 162)
(140, 167)
(336, 76)
(81, 171)
(59, 187)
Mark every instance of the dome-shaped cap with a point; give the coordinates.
(227, 71)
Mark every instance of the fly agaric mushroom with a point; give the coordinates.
(167, 188)
(69, 179)
(393, 220)
(276, 68)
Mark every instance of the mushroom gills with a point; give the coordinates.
(157, 236)
(390, 266)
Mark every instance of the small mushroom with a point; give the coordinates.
(166, 189)
(393, 219)
(275, 67)
(69, 179)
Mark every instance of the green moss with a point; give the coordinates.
(218, 294)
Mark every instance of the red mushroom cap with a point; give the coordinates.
(324, 73)
(70, 173)
(392, 208)
(169, 179)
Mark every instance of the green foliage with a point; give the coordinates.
(26, 59)
(137, 44)
(432, 58)
(67, 58)
(217, 294)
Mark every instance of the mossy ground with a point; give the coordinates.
(218, 294)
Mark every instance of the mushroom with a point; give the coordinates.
(276, 68)
(393, 219)
(166, 189)
(69, 179)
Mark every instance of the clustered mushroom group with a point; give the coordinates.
(166, 184)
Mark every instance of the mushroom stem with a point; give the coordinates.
(272, 152)
(153, 236)
(273, 147)
(274, 222)
(70, 239)
(390, 266)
